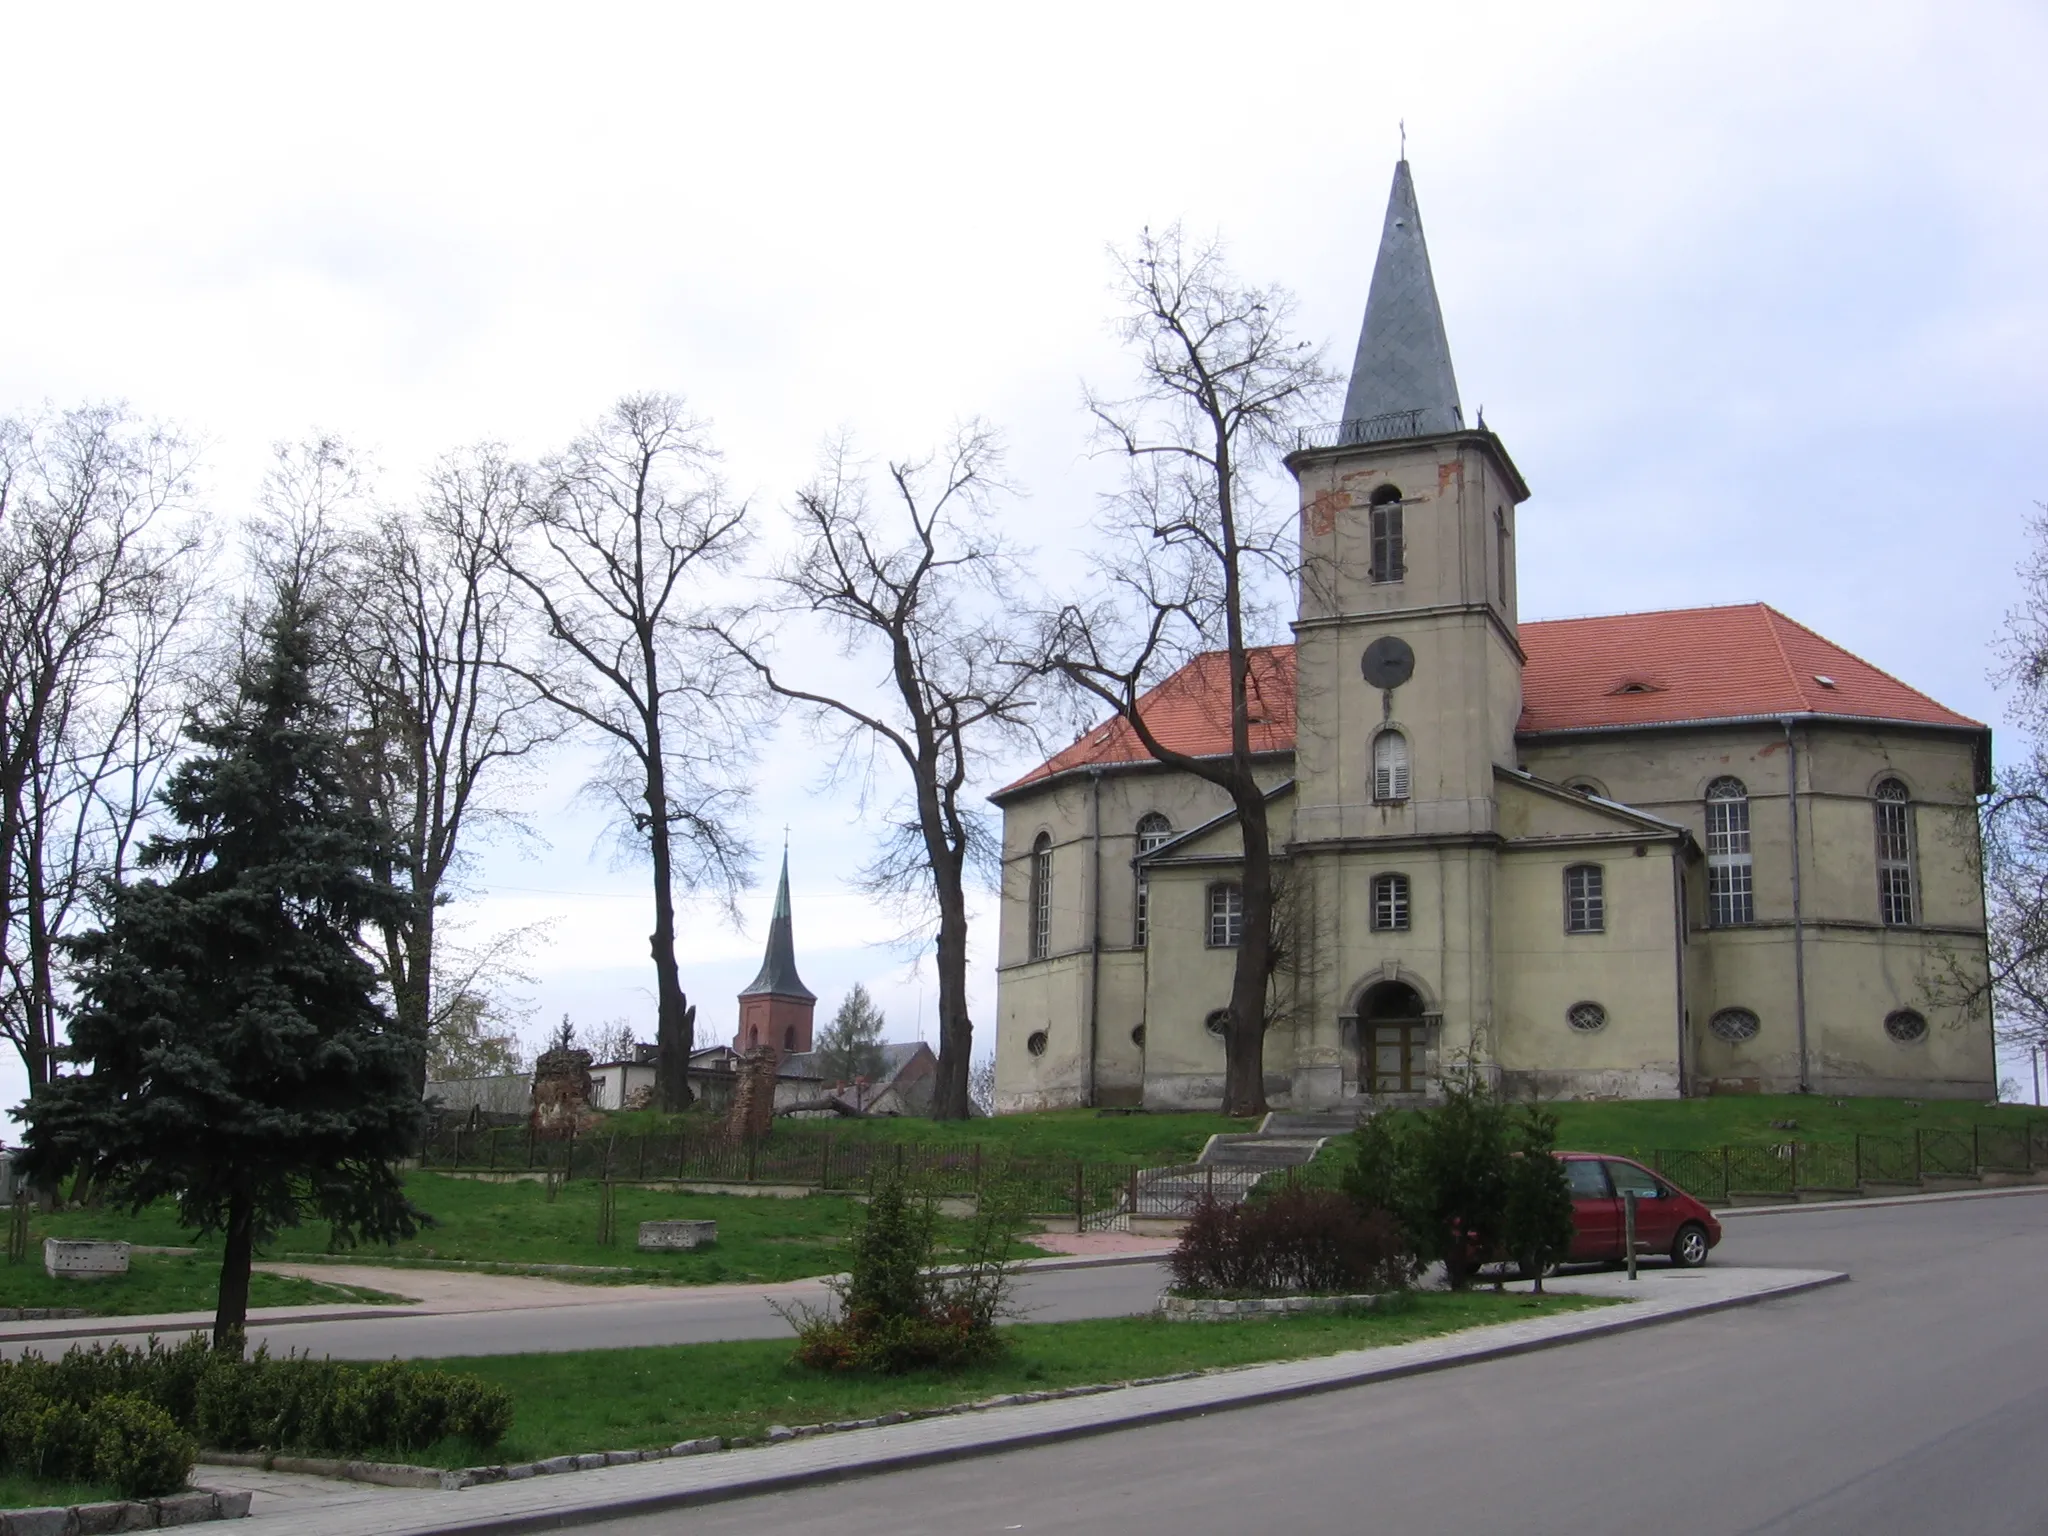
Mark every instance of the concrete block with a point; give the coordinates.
(777, 1433)
(233, 1506)
(84, 1258)
(37, 1522)
(520, 1471)
(676, 1236)
(99, 1519)
(590, 1461)
(556, 1464)
(620, 1458)
(185, 1509)
(696, 1447)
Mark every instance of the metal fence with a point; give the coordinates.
(1095, 1196)
(1720, 1174)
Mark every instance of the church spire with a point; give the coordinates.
(778, 976)
(1402, 382)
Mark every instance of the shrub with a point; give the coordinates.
(894, 1314)
(1297, 1242)
(1536, 1227)
(137, 1447)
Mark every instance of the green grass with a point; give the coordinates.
(18, 1492)
(1092, 1135)
(164, 1283)
(760, 1238)
(633, 1399)
(1638, 1127)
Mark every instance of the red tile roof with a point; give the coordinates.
(1702, 664)
(1678, 666)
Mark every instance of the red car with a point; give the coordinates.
(1668, 1220)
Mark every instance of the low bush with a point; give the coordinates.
(1296, 1242)
(894, 1313)
(132, 1417)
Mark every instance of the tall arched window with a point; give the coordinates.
(1387, 549)
(1389, 767)
(1389, 903)
(1041, 896)
(1894, 854)
(1731, 897)
(1226, 916)
(1154, 830)
(1500, 553)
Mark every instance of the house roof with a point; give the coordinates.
(1683, 666)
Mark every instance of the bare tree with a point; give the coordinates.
(617, 558)
(1192, 547)
(440, 715)
(923, 589)
(97, 575)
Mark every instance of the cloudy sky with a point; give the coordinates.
(1751, 292)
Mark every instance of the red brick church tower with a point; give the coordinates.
(776, 1007)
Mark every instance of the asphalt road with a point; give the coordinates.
(683, 1316)
(1910, 1400)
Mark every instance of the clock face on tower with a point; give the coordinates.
(1388, 662)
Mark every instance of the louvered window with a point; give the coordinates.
(1389, 767)
(1041, 896)
(1731, 897)
(1894, 855)
(1154, 830)
(1388, 555)
(1390, 903)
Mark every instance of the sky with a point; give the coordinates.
(1750, 292)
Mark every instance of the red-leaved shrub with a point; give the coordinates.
(1298, 1242)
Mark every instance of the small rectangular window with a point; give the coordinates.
(1386, 542)
(1585, 901)
(1390, 903)
(1226, 916)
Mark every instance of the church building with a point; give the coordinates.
(1642, 855)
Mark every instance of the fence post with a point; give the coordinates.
(1209, 1184)
(1727, 1172)
(642, 1174)
(1859, 1159)
(529, 1147)
(1919, 1159)
(682, 1153)
(753, 1147)
(825, 1164)
(491, 1150)
(1976, 1150)
(1795, 1167)
(1080, 1198)
(1131, 1196)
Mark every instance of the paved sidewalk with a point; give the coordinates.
(573, 1498)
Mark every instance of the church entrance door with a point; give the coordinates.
(1394, 1037)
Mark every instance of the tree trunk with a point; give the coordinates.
(231, 1311)
(673, 1017)
(1244, 1080)
(413, 990)
(950, 1099)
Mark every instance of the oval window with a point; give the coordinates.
(1037, 1043)
(1586, 1017)
(1905, 1026)
(1735, 1025)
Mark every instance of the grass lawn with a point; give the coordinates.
(18, 1492)
(1642, 1126)
(1093, 1135)
(634, 1399)
(158, 1282)
(759, 1238)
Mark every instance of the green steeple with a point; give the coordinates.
(778, 976)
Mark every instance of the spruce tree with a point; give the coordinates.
(229, 1047)
(851, 1046)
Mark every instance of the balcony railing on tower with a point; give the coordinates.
(1362, 429)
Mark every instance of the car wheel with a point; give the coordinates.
(1689, 1248)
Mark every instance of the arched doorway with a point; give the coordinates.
(1393, 1036)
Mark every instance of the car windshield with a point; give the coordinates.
(1627, 1176)
(1588, 1179)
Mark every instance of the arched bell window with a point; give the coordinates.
(1389, 767)
(1388, 549)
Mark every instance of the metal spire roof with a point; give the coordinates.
(1404, 359)
(778, 976)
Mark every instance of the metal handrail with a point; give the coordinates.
(1360, 429)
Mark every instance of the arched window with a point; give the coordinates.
(1731, 897)
(1041, 896)
(1226, 916)
(1154, 830)
(1585, 899)
(1500, 552)
(1894, 855)
(1387, 551)
(1389, 767)
(1389, 903)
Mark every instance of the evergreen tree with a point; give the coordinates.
(235, 1055)
(851, 1046)
(1537, 1224)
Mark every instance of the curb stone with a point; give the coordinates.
(128, 1515)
